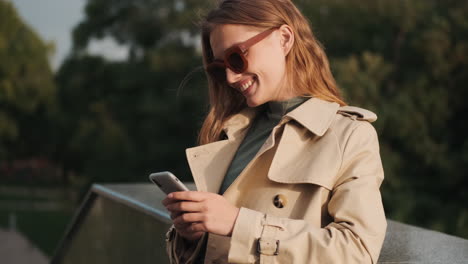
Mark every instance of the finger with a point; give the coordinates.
(185, 207)
(184, 228)
(197, 227)
(168, 201)
(189, 218)
(189, 196)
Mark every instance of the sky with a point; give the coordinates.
(54, 21)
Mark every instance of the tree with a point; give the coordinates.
(407, 60)
(129, 118)
(27, 90)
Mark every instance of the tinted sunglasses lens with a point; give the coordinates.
(236, 62)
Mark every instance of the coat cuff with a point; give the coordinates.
(247, 230)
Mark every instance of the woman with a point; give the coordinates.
(286, 173)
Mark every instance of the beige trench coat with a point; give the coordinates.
(310, 195)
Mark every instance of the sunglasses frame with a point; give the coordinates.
(240, 49)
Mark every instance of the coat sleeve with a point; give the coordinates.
(356, 233)
(181, 251)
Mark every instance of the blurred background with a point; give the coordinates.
(109, 91)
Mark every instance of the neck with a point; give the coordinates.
(285, 92)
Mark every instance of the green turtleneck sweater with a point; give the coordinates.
(268, 117)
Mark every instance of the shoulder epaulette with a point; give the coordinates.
(357, 113)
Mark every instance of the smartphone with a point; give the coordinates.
(167, 182)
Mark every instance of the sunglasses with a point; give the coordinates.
(234, 57)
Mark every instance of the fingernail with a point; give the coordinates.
(169, 195)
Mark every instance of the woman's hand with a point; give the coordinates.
(194, 213)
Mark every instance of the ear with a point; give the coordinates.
(287, 38)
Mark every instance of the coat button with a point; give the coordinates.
(280, 201)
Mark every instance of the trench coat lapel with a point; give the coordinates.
(286, 155)
(209, 163)
(316, 116)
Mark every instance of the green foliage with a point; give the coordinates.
(27, 90)
(127, 119)
(141, 24)
(408, 61)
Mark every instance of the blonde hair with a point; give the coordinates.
(306, 63)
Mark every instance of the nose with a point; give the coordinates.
(232, 77)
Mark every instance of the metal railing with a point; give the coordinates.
(126, 223)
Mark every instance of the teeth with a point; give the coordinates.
(245, 86)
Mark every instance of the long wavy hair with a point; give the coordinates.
(307, 66)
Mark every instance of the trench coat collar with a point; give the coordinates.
(236, 125)
(209, 163)
(315, 114)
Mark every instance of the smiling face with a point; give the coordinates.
(265, 78)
